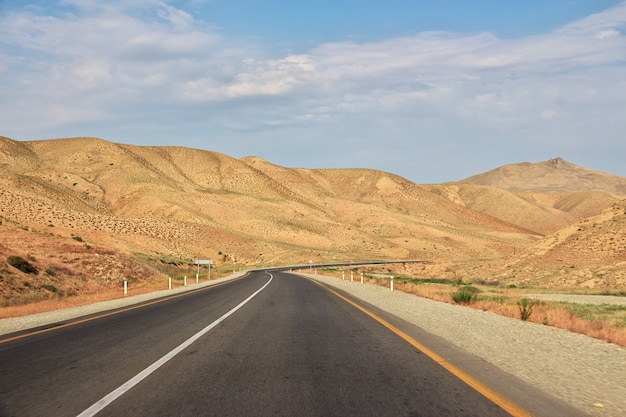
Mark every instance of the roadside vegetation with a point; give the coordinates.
(46, 290)
(601, 321)
(604, 321)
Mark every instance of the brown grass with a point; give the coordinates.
(97, 294)
(548, 313)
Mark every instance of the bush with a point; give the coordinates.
(526, 307)
(54, 271)
(50, 288)
(465, 295)
(22, 264)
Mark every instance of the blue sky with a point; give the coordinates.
(433, 91)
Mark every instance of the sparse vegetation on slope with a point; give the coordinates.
(83, 207)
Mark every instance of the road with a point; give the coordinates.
(291, 347)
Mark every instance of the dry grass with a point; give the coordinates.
(607, 327)
(56, 303)
(561, 315)
(96, 294)
(90, 296)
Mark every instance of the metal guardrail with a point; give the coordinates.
(340, 264)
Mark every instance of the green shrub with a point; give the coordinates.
(465, 295)
(526, 307)
(22, 264)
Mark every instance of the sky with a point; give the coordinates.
(434, 91)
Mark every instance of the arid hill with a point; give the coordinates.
(540, 212)
(87, 212)
(543, 197)
(555, 174)
(590, 253)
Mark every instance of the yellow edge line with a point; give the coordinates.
(111, 313)
(492, 395)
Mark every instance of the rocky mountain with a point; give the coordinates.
(555, 174)
(543, 197)
(85, 211)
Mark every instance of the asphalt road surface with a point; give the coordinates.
(268, 344)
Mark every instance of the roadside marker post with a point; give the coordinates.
(125, 288)
(391, 282)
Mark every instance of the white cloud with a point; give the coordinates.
(609, 33)
(118, 59)
(549, 114)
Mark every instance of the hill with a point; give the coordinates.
(541, 212)
(555, 174)
(542, 197)
(88, 213)
(590, 254)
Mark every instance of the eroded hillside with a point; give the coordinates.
(590, 253)
(183, 204)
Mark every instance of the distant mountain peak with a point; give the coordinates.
(555, 174)
(557, 162)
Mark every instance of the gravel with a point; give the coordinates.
(587, 373)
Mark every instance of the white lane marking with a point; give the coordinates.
(108, 399)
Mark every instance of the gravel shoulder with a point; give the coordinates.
(587, 373)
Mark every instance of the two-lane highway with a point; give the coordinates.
(290, 348)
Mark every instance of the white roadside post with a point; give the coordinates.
(185, 281)
(351, 276)
(361, 277)
(391, 282)
(125, 287)
(169, 279)
(343, 275)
